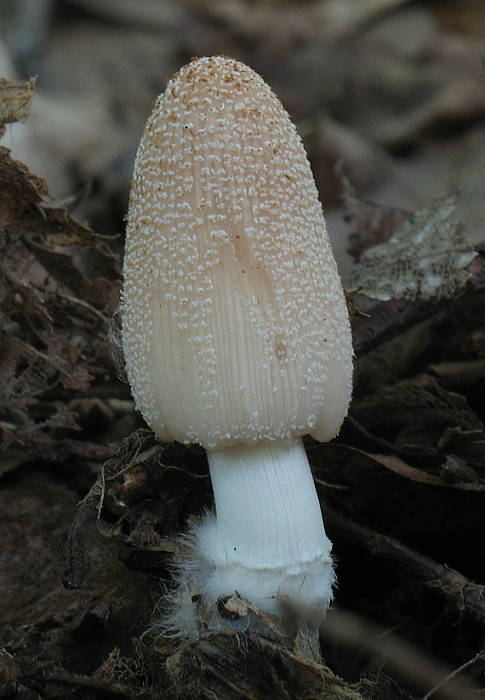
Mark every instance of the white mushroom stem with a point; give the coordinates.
(268, 541)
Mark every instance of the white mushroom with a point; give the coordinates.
(235, 327)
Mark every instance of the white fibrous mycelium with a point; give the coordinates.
(235, 327)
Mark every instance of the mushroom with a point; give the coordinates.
(235, 327)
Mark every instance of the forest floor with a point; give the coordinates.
(389, 98)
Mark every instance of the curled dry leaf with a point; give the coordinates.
(125, 492)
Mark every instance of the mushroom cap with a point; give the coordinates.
(235, 326)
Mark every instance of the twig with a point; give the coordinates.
(461, 594)
(411, 663)
(453, 674)
(75, 680)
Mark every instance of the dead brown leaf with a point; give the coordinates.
(397, 465)
(15, 101)
(59, 286)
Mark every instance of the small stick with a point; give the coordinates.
(438, 686)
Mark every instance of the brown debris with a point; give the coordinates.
(393, 90)
(56, 305)
(464, 596)
(214, 664)
(15, 101)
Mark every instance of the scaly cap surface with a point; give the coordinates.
(235, 326)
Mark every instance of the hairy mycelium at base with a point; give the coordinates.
(268, 541)
(235, 328)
